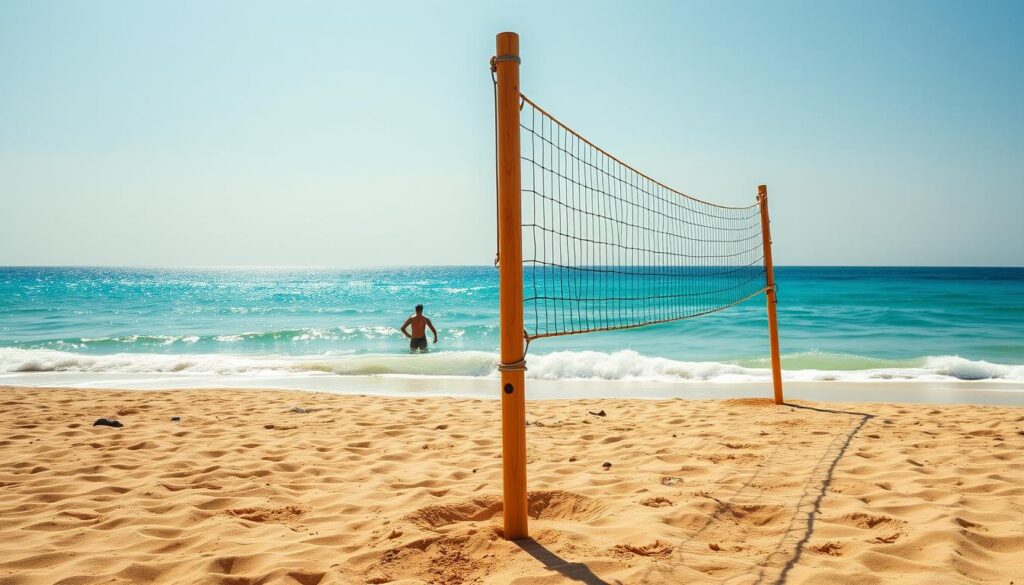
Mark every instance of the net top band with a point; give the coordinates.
(616, 159)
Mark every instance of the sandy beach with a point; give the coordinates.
(253, 486)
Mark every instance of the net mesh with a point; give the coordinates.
(606, 247)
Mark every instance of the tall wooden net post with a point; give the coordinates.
(769, 271)
(510, 275)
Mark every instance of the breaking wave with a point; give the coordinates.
(562, 365)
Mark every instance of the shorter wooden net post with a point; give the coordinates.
(769, 272)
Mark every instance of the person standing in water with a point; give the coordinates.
(418, 337)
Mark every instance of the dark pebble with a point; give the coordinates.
(175, 419)
(107, 423)
(607, 465)
(598, 413)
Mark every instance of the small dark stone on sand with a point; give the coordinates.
(175, 419)
(572, 458)
(474, 470)
(598, 413)
(714, 546)
(607, 465)
(107, 423)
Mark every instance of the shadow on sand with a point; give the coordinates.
(818, 495)
(814, 492)
(576, 571)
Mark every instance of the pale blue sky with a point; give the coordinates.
(322, 133)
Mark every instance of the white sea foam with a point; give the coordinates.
(630, 365)
(563, 365)
(963, 369)
(228, 338)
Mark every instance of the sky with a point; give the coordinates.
(354, 134)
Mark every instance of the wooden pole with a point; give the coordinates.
(510, 276)
(769, 272)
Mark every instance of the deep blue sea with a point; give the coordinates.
(836, 323)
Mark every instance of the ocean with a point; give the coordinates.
(215, 326)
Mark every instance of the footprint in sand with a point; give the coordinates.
(654, 549)
(833, 549)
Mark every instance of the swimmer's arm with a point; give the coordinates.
(405, 325)
(434, 331)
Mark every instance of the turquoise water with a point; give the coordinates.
(839, 323)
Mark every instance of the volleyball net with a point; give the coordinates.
(589, 243)
(607, 247)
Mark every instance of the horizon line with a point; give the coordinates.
(395, 266)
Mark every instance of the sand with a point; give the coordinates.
(356, 489)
